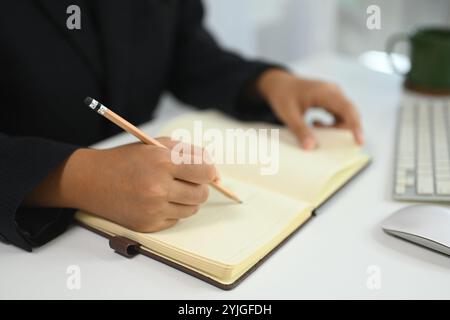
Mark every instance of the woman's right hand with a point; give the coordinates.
(137, 186)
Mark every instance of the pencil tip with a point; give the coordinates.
(237, 200)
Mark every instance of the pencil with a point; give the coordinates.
(144, 138)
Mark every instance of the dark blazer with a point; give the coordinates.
(126, 54)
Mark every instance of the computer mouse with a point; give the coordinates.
(426, 225)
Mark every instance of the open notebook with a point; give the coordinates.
(225, 241)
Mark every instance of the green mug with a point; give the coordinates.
(430, 60)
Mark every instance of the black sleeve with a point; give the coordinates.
(206, 76)
(24, 163)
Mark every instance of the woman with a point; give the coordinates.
(127, 53)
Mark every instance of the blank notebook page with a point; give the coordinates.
(222, 231)
(301, 174)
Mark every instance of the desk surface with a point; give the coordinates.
(334, 256)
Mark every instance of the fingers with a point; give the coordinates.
(304, 133)
(351, 119)
(161, 225)
(168, 142)
(186, 193)
(198, 172)
(296, 123)
(184, 199)
(169, 223)
(179, 211)
(340, 124)
(197, 167)
(182, 148)
(333, 100)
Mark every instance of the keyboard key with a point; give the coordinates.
(442, 177)
(410, 181)
(423, 148)
(425, 170)
(400, 189)
(425, 187)
(406, 164)
(401, 171)
(424, 176)
(401, 180)
(443, 171)
(443, 188)
(442, 160)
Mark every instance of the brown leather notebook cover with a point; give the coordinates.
(129, 248)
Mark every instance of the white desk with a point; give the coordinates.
(328, 258)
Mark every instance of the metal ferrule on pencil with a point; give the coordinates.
(95, 105)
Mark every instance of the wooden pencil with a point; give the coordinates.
(144, 138)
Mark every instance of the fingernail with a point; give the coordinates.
(309, 143)
(359, 137)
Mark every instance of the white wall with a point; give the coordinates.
(281, 30)
(285, 30)
(397, 16)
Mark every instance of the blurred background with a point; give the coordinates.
(290, 30)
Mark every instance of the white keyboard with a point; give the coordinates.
(422, 162)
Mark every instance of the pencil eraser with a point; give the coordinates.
(88, 101)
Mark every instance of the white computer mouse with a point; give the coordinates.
(426, 225)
